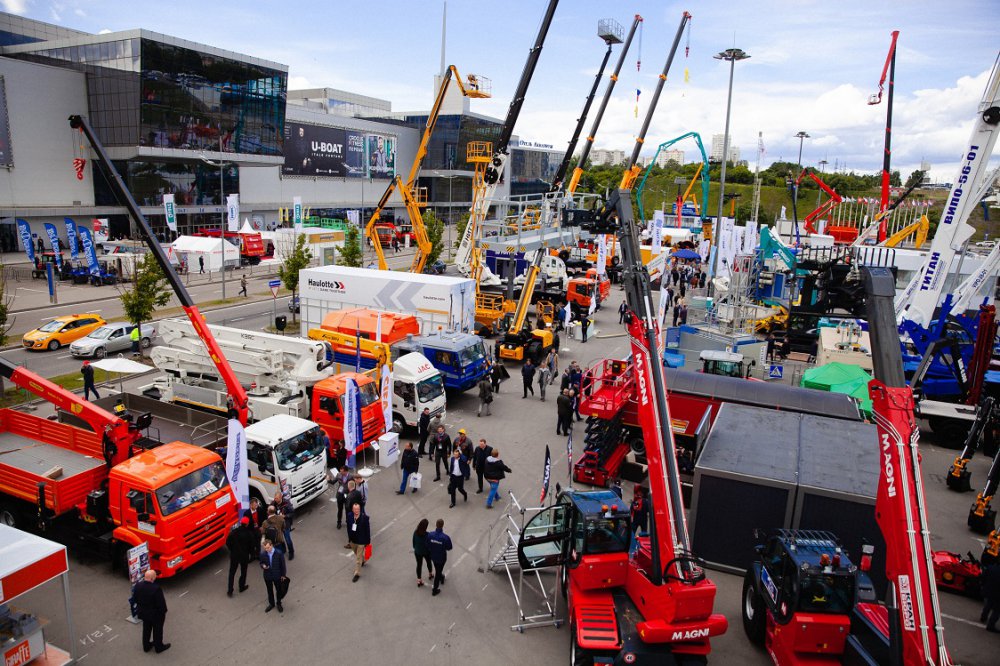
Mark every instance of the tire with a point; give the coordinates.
(637, 445)
(100, 352)
(753, 610)
(10, 516)
(145, 343)
(564, 580)
(950, 434)
(53, 345)
(398, 423)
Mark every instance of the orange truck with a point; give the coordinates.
(328, 403)
(98, 490)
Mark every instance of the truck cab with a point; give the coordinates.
(799, 595)
(328, 398)
(552, 272)
(286, 450)
(724, 363)
(578, 293)
(175, 497)
(602, 281)
(416, 384)
(459, 357)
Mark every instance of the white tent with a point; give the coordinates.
(247, 228)
(191, 248)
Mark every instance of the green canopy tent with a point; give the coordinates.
(843, 378)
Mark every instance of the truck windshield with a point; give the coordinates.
(471, 354)
(369, 394)
(191, 488)
(430, 388)
(298, 450)
(826, 593)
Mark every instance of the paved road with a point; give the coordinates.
(385, 618)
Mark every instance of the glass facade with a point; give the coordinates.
(452, 134)
(191, 183)
(196, 101)
(532, 170)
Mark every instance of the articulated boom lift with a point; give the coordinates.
(415, 198)
(237, 393)
(823, 209)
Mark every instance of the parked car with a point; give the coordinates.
(293, 304)
(111, 338)
(62, 331)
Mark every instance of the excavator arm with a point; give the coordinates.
(118, 438)
(237, 393)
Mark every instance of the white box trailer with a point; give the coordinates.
(438, 301)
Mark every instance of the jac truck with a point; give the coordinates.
(97, 489)
(459, 357)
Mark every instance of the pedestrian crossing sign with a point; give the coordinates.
(776, 372)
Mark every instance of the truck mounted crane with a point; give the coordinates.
(890, 68)
(236, 391)
(823, 209)
(474, 86)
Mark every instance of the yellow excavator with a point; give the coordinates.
(918, 230)
(521, 341)
(416, 198)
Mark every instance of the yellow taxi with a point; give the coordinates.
(61, 331)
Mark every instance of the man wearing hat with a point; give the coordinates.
(464, 445)
(88, 381)
(242, 545)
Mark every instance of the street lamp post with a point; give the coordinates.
(730, 55)
(801, 136)
(822, 169)
(222, 223)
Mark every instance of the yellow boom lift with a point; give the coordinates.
(415, 198)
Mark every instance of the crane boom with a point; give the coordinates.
(632, 168)
(236, 391)
(890, 67)
(923, 294)
(900, 506)
(578, 171)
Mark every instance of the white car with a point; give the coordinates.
(111, 338)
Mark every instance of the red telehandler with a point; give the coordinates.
(802, 597)
(651, 604)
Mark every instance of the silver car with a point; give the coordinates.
(111, 338)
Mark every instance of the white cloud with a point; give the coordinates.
(15, 6)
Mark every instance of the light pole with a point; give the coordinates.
(730, 55)
(822, 169)
(222, 224)
(801, 136)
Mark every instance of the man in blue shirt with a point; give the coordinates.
(272, 562)
(439, 544)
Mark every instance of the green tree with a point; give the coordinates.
(147, 291)
(300, 257)
(915, 178)
(352, 254)
(460, 226)
(435, 233)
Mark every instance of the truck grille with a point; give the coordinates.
(207, 534)
(309, 488)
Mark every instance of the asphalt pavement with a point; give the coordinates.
(385, 618)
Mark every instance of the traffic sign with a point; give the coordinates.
(776, 372)
(275, 285)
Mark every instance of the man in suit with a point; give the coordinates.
(272, 562)
(360, 535)
(242, 545)
(152, 610)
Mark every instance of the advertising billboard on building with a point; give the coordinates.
(6, 156)
(313, 150)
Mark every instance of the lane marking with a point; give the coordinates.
(433, 646)
(451, 627)
(960, 619)
(216, 573)
(183, 593)
(112, 638)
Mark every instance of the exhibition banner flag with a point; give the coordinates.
(352, 418)
(24, 231)
(657, 233)
(236, 464)
(569, 453)
(297, 213)
(71, 238)
(89, 251)
(602, 254)
(53, 235)
(233, 212)
(170, 211)
(546, 475)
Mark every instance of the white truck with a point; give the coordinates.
(286, 449)
(278, 371)
(438, 301)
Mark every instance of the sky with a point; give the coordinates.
(813, 64)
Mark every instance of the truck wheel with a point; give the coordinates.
(100, 352)
(398, 423)
(754, 612)
(637, 444)
(10, 517)
(950, 433)
(53, 345)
